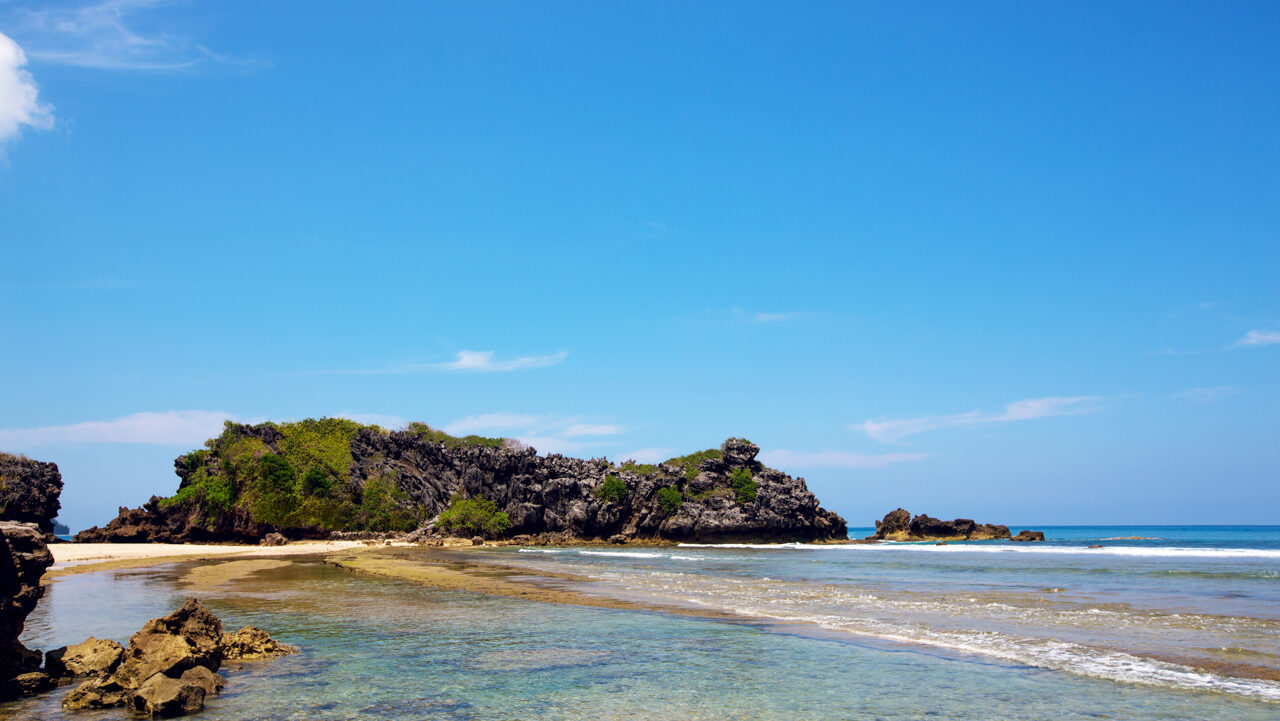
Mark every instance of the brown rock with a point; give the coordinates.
(1029, 536)
(23, 560)
(160, 695)
(95, 694)
(93, 657)
(211, 682)
(896, 526)
(29, 684)
(188, 637)
(273, 539)
(251, 643)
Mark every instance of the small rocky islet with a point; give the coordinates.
(900, 525)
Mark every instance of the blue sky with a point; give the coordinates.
(1009, 261)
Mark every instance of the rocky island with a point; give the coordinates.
(900, 525)
(315, 478)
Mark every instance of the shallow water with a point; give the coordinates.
(384, 649)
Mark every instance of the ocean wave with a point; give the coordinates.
(983, 547)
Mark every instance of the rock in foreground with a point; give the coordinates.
(169, 668)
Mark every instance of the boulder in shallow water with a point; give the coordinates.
(1029, 536)
(96, 693)
(251, 643)
(93, 657)
(895, 526)
(211, 682)
(164, 696)
(188, 637)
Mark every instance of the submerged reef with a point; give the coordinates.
(315, 478)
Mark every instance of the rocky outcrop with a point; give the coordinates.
(251, 643)
(24, 556)
(899, 525)
(169, 668)
(540, 494)
(93, 657)
(29, 491)
(1027, 536)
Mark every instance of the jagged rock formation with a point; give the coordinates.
(29, 502)
(1029, 536)
(169, 668)
(716, 495)
(899, 525)
(29, 491)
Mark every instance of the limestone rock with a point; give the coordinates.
(29, 491)
(93, 657)
(211, 682)
(274, 539)
(23, 560)
(899, 525)
(250, 643)
(96, 693)
(163, 696)
(1029, 536)
(541, 495)
(188, 637)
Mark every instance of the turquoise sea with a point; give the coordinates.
(1181, 623)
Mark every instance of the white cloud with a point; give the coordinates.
(482, 361)
(547, 433)
(467, 361)
(783, 459)
(168, 428)
(893, 431)
(491, 422)
(106, 35)
(19, 102)
(648, 455)
(1258, 338)
(1205, 395)
(590, 429)
(377, 419)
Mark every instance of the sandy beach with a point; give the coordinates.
(72, 558)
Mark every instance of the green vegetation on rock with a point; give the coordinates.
(743, 485)
(476, 515)
(689, 464)
(427, 433)
(613, 490)
(669, 500)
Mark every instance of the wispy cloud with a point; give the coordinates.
(546, 432)
(894, 431)
(19, 98)
(784, 459)
(1258, 338)
(489, 422)
(648, 455)
(764, 317)
(466, 361)
(378, 419)
(1206, 394)
(167, 428)
(111, 35)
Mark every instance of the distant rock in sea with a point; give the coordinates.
(900, 525)
(320, 477)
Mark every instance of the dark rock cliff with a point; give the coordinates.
(899, 525)
(540, 494)
(29, 493)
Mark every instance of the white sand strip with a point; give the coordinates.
(70, 554)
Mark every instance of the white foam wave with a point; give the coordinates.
(984, 547)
